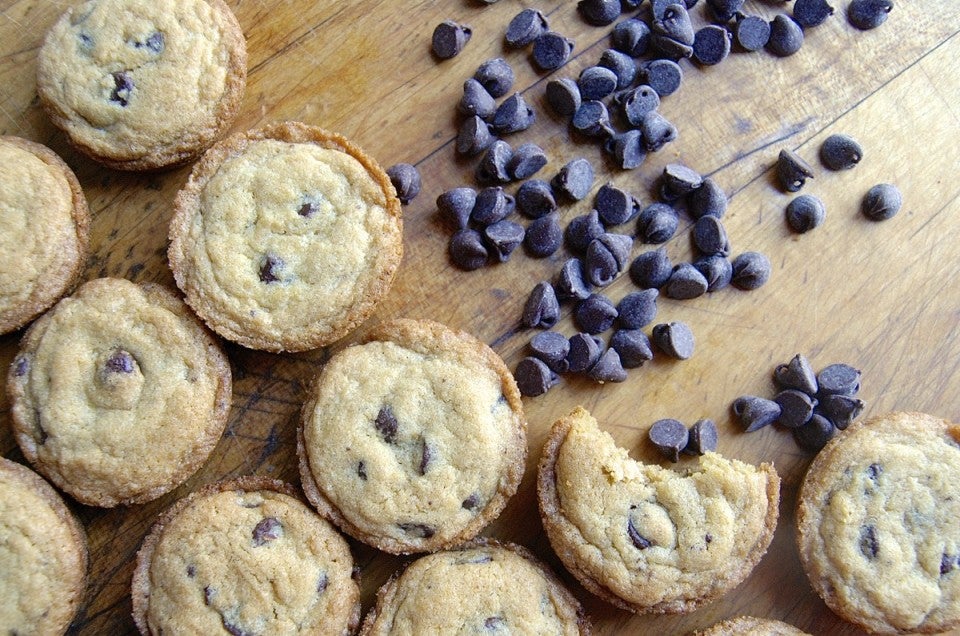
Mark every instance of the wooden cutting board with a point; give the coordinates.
(880, 296)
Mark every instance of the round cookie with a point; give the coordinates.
(480, 587)
(44, 226)
(244, 557)
(751, 626)
(645, 538)
(285, 238)
(118, 394)
(413, 441)
(877, 523)
(43, 555)
(140, 84)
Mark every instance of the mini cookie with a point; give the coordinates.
(877, 524)
(751, 626)
(118, 393)
(413, 441)
(139, 84)
(285, 238)
(244, 557)
(482, 587)
(645, 538)
(44, 225)
(43, 555)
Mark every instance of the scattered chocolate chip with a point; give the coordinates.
(449, 38)
(191, 571)
(874, 471)
(657, 131)
(651, 269)
(868, 14)
(869, 545)
(685, 282)
(638, 102)
(492, 204)
(680, 180)
(564, 97)
(842, 410)
(474, 136)
(606, 257)
(703, 439)
(627, 149)
(535, 199)
(406, 181)
(471, 502)
(725, 10)
(418, 530)
(362, 470)
(786, 36)
(570, 281)
(657, 223)
(608, 368)
(575, 179)
(525, 27)
(86, 42)
(948, 563)
(792, 170)
(663, 76)
(476, 100)
(542, 308)
(426, 455)
(154, 42)
(544, 236)
(595, 314)
(815, 434)
(493, 167)
(838, 379)
(209, 593)
(322, 582)
(750, 270)
(622, 66)
(755, 412)
(675, 339)
(21, 365)
(599, 12)
(513, 115)
(597, 82)
(387, 425)
(496, 75)
(797, 374)
(796, 408)
(467, 250)
(881, 202)
(494, 623)
(551, 50)
(502, 238)
(582, 230)
(455, 206)
(633, 347)
(271, 268)
(122, 88)
(526, 161)
(638, 309)
(811, 13)
(711, 45)
(534, 377)
(670, 437)
(805, 213)
(592, 119)
(233, 629)
(585, 350)
(636, 538)
(707, 200)
(840, 152)
(674, 23)
(615, 206)
(267, 530)
(752, 32)
(551, 348)
(710, 237)
(716, 270)
(120, 361)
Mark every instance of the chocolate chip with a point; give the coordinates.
(592, 119)
(86, 42)
(637, 103)
(796, 408)
(122, 88)
(615, 206)
(805, 213)
(233, 629)
(663, 76)
(595, 314)
(797, 374)
(570, 281)
(455, 206)
(633, 347)
(406, 181)
(675, 24)
(608, 368)
(503, 237)
(534, 377)
(842, 410)
(815, 434)
(209, 593)
(703, 439)
(322, 582)
(606, 257)
(711, 44)
(716, 270)
(680, 180)
(631, 36)
(474, 136)
(267, 530)
(476, 100)
(542, 308)
(881, 202)
(467, 250)
(492, 204)
(552, 348)
(551, 50)
(707, 200)
(585, 350)
(309, 207)
(525, 27)
(685, 282)
(493, 167)
(564, 97)
(874, 471)
(725, 10)
(575, 179)
(657, 223)
(868, 14)
(675, 339)
(362, 470)
(670, 437)
(792, 170)
(387, 425)
(154, 42)
(513, 115)
(948, 563)
(535, 199)
(191, 571)
(543, 236)
(418, 530)
(597, 82)
(869, 544)
(271, 267)
(449, 38)
(494, 623)
(496, 75)
(599, 12)
(838, 379)
(583, 230)
(710, 237)
(426, 455)
(755, 412)
(471, 502)
(656, 131)
(651, 269)
(786, 36)
(640, 542)
(750, 270)
(840, 152)
(622, 66)
(627, 149)
(526, 161)
(21, 365)
(120, 361)
(752, 32)
(638, 309)
(811, 13)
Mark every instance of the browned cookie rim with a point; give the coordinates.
(175, 154)
(737, 625)
(140, 583)
(186, 205)
(38, 303)
(426, 336)
(555, 524)
(23, 431)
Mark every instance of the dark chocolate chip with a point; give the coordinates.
(534, 377)
(805, 213)
(154, 42)
(267, 530)
(570, 281)
(638, 309)
(496, 75)
(711, 44)
(387, 425)
(840, 152)
(120, 361)
(494, 623)
(674, 23)
(575, 179)
(636, 538)
(615, 206)
(322, 582)
(564, 97)
(725, 10)
(449, 38)
(585, 350)
(271, 267)
(796, 408)
(122, 88)
(503, 237)
(668, 48)
(467, 250)
(418, 530)
(426, 455)
(657, 223)
(476, 100)
(685, 282)
(608, 368)
(535, 199)
(233, 629)
(362, 470)
(471, 502)
(703, 439)
(492, 204)
(717, 271)
(710, 237)
(552, 348)
(551, 50)
(209, 593)
(842, 410)
(595, 314)
(592, 119)
(86, 42)
(786, 36)
(681, 180)
(752, 32)
(811, 13)
(627, 149)
(881, 202)
(544, 236)
(948, 563)
(755, 412)
(493, 167)
(637, 102)
(750, 270)
(869, 544)
(651, 269)
(406, 181)
(599, 12)
(797, 374)
(474, 136)
(622, 66)
(707, 200)
(670, 437)
(542, 308)
(815, 434)
(663, 76)
(606, 258)
(526, 161)
(838, 379)
(868, 14)
(21, 365)
(792, 170)
(525, 27)
(633, 346)
(582, 230)
(631, 36)
(657, 131)
(597, 82)
(513, 115)
(675, 339)
(191, 571)
(455, 206)
(874, 471)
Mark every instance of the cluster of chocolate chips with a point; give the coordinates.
(671, 437)
(814, 406)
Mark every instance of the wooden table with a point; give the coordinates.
(881, 296)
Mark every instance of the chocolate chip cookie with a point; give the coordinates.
(646, 538)
(244, 557)
(44, 227)
(414, 440)
(118, 393)
(751, 626)
(139, 84)
(877, 524)
(43, 555)
(285, 238)
(482, 587)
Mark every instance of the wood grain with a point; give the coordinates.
(880, 296)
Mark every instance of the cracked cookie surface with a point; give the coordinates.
(43, 555)
(244, 557)
(44, 225)
(482, 587)
(751, 626)
(877, 524)
(285, 238)
(414, 440)
(646, 538)
(118, 393)
(138, 84)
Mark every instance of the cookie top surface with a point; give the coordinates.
(43, 555)
(118, 393)
(414, 440)
(139, 84)
(877, 524)
(751, 626)
(244, 557)
(482, 587)
(286, 238)
(44, 225)
(646, 538)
